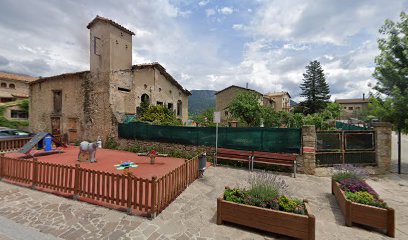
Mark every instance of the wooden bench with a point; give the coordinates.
(279, 159)
(234, 155)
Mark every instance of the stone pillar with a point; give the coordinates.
(383, 138)
(309, 149)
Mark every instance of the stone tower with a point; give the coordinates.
(110, 46)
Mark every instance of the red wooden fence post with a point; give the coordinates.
(77, 182)
(35, 173)
(153, 211)
(1, 165)
(129, 193)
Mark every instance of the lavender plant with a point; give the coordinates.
(265, 186)
(348, 171)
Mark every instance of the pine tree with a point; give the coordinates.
(314, 88)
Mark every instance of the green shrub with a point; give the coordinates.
(234, 195)
(111, 143)
(365, 198)
(266, 186)
(291, 205)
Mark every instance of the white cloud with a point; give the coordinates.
(226, 10)
(203, 3)
(209, 12)
(237, 26)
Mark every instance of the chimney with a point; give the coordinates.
(363, 96)
(246, 85)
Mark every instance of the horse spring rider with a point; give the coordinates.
(88, 148)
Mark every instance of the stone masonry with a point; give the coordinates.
(307, 162)
(383, 145)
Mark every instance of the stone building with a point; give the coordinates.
(88, 104)
(281, 100)
(352, 108)
(224, 98)
(14, 87)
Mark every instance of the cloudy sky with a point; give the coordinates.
(208, 44)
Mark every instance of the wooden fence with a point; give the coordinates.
(11, 145)
(148, 196)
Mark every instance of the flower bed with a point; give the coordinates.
(359, 203)
(264, 207)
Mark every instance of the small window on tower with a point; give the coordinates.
(97, 46)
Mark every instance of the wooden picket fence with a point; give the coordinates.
(148, 196)
(11, 145)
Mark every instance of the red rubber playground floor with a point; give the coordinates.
(107, 158)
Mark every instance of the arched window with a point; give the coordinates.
(179, 108)
(3, 85)
(12, 86)
(145, 98)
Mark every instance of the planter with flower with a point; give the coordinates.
(153, 154)
(359, 203)
(264, 206)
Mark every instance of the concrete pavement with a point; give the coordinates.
(193, 214)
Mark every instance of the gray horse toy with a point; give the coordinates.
(87, 148)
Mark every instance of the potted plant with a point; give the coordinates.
(153, 154)
(265, 206)
(359, 202)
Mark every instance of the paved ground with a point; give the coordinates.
(191, 216)
(107, 158)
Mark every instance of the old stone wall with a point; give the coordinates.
(383, 145)
(307, 161)
(167, 147)
(42, 106)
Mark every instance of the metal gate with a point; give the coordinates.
(345, 147)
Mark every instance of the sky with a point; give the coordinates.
(208, 44)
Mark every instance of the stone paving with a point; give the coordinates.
(193, 214)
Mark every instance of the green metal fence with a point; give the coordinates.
(346, 126)
(350, 147)
(286, 140)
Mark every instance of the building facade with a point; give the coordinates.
(13, 88)
(278, 101)
(281, 100)
(352, 108)
(85, 105)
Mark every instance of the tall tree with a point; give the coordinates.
(391, 71)
(246, 107)
(314, 88)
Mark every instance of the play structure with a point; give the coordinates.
(125, 166)
(87, 151)
(42, 143)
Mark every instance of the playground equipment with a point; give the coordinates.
(87, 151)
(43, 141)
(125, 166)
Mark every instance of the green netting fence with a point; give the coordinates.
(346, 126)
(286, 140)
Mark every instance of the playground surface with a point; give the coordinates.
(107, 158)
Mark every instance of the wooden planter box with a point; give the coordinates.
(290, 224)
(364, 214)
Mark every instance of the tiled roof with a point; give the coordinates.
(19, 77)
(234, 86)
(163, 71)
(107, 20)
(58, 76)
(277, 94)
(355, 100)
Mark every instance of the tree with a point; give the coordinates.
(159, 115)
(314, 89)
(206, 118)
(246, 107)
(391, 71)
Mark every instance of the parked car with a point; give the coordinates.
(13, 133)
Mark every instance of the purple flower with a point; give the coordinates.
(355, 185)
